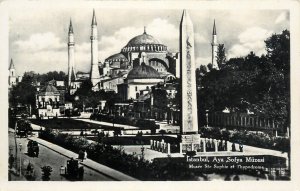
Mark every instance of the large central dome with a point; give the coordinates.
(142, 40)
(144, 43)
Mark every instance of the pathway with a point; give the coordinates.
(109, 172)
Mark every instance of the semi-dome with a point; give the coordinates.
(117, 57)
(143, 71)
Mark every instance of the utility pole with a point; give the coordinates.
(16, 149)
(20, 147)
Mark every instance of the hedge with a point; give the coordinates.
(141, 123)
(116, 158)
(261, 140)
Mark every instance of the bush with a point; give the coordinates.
(46, 172)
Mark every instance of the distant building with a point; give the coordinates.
(143, 48)
(13, 79)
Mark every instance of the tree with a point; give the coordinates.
(24, 92)
(46, 172)
(209, 66)
(203, 70)
(52, 75)
(257, 83)
(221, 57)
(91, 98)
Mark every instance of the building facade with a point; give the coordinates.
(141, 77)
(13, 79)
(48, 101)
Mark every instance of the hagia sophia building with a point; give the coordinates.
(142, 63)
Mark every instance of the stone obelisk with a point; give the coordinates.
(189, 128)
(188, 79)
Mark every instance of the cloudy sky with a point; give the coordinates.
(38, 37)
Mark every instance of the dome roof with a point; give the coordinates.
(143, 39)
(144, 43)
(118, 56)
(49, 89)
(143, 71)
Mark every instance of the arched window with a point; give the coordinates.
(136, 88)
(147, 88)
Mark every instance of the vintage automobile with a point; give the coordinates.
(32, 148)
(72, 168)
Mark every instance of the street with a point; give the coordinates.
(46, 157)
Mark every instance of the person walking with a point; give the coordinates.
(233, 147)
(85, 155)
(80, 172)
(11, 161)
(241, 148)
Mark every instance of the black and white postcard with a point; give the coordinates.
(181, 93)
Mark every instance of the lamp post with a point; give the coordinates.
(20, 147)
(10, 150)
(207, 117)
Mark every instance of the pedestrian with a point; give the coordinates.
(37, 150)
(233, 147)
(85, 154)
(80, 172)
(241, 148)
(81, 155)
(29, 168)
(11, 161)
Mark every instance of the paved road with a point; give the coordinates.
(51, 158)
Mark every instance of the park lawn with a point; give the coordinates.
(69, 124)
(134, 140)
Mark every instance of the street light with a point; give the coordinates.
(10, 150)
(20, 147)
(207, 117)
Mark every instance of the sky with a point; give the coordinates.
(38, 37)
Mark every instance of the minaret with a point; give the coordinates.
(12, 79)
(188, 79)
(71, 60)
(214, 48)
(95, 76)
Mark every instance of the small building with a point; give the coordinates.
(48, 101)
(139, 78)
(111, 84)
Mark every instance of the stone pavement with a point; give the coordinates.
(114, 174)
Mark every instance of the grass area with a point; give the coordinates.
(69, 124)
(134, 140)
